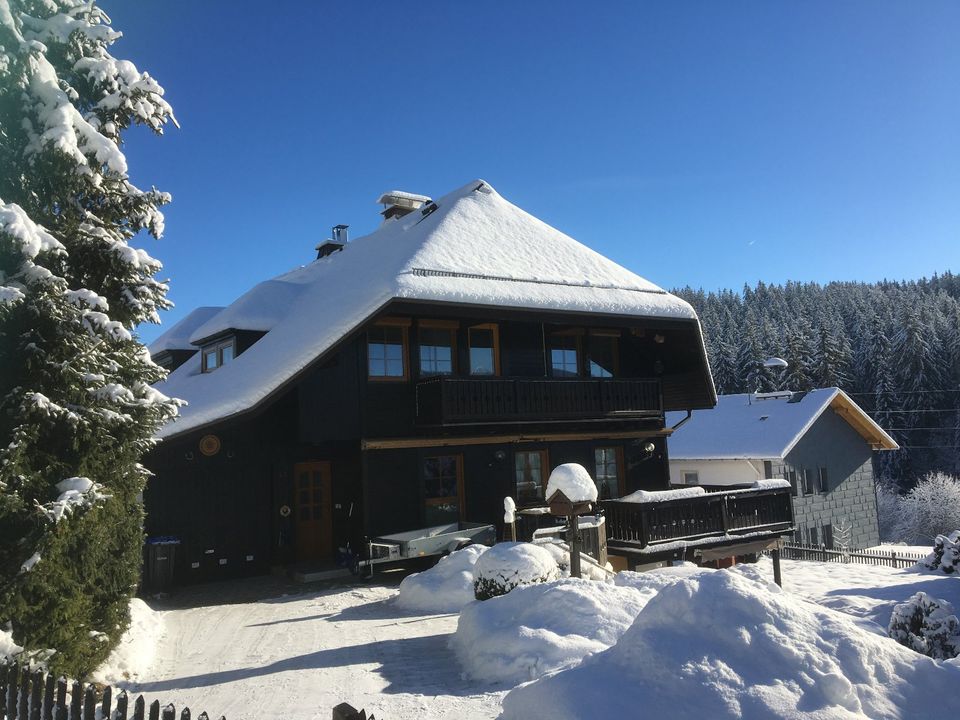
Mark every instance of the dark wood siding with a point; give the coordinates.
(329, 407)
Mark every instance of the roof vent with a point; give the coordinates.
(397, 203)
(330, 246)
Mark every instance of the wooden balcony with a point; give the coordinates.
(702, 521)
(461, 401)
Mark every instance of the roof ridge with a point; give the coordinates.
(429, 272)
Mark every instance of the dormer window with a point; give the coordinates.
(218, 354)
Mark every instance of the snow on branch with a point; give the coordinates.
(75, 493)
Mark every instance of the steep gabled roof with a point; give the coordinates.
(751, 427)
(469, 247)
(178, 336)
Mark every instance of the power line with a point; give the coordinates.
(905, 392)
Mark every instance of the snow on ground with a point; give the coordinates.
(444, 588)
(721, 645)
(888, 548)
(137, 646)
(535, 629)
(298, 655)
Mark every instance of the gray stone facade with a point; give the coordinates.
(831, 469)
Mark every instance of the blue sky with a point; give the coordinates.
(701, 143)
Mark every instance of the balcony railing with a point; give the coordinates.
(451, 401)
(720, 516)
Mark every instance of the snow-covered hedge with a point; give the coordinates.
(929, 509)
(541, 628)
(446, 587)
(927, 625)
(719, 645)
(507, 565)
(946, 554)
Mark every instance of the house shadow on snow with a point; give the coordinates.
(421, 665)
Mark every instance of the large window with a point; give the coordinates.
(607, 465)
(484, 343)
(564, 355)
(387, 351)
(602, 353)
(437, 348)
(216, 355)
(530, 475)
(442, 489)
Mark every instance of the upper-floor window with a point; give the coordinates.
(564, 354)
(809, 487)
(822, 480)
(213, 356)
(387, 351)
(602, 353)
(484, 344)
(438, 343)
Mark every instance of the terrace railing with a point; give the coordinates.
(451, 401)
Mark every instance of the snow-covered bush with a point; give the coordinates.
(507, 565)
(927, 625)
(541, 628)
(446, 587)
(929, 509)
(718, 645)
(946, 554)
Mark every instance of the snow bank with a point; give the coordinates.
(573, 480)
(507, 565)
(446, 587)
(719, 645)
(537, 629)
(135, 652)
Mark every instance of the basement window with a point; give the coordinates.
(218, 354)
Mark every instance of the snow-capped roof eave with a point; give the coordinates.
(844, 406)
(474, 249)
(177, 337)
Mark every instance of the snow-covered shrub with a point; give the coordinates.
(927, 625)
(931, 508)
(946, 554)
(507, 565)
(446, 587)
(541, 628)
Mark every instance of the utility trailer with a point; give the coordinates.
(426, 542)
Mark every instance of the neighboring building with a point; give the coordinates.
(412, 377)
(820, 441)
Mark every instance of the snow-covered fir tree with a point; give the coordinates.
(76, 407)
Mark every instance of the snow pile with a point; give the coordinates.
(8, 648)
(446, 587)
(927, 625)
(541, 628)
(507, 565)
(771, 483)
(719, 645)
(135, 652)
(650, 583)
(590, 569)
(573, 480)
(946, 554)
(647, 496)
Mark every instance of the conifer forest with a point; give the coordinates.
(894, 347)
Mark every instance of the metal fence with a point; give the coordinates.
(820, 553)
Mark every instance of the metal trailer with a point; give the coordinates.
(426, 542)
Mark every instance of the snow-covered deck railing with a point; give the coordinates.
(449, 401)
(723, 516)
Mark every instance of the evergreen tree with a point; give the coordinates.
(831, 359)
(76, 407)
(799, 357)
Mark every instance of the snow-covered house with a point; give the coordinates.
(821, 441)
(412, 377)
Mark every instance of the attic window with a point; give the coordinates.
(218, 354)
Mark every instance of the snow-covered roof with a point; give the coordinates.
(475, 248)
(178, 336)
(764, 427)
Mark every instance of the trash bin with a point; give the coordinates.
(161, 556)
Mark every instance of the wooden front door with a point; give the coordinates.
(314, 528)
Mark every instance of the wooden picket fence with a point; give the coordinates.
(37, 695)
(818, 553)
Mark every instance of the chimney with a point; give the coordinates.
(397, 203)
(328, 246)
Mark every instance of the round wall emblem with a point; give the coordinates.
(209, 445)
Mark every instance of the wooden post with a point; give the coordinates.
(48, 697)
(61, 711)
(775, 556)
(36, 695)
(574, 545)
